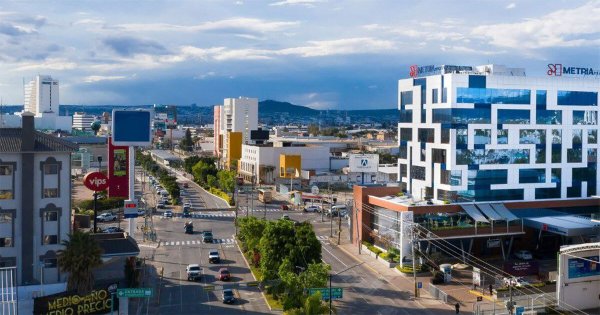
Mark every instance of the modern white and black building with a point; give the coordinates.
(491, 133)
(35, 201)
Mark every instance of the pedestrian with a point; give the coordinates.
(491, 289)
(457, 307)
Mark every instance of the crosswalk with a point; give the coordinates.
(322, 238)
(229, 241)
(204, 215)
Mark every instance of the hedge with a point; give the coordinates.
(408, 268)
(372, 248)
(103, 204)
(222, 194)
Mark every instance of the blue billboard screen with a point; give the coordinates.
(586, 267)
(131, 128)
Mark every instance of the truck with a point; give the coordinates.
(194, 272)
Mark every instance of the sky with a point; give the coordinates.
(325, 54)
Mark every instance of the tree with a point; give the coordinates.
(313, 129)
(313, 305)
(81, 255)
(307, 248)
(315, 276)
(95, 126)
(276, 243)
(202, 169)
(187, 144)
(189, 162)
(211, 181)
(251, 231)
(226, 180)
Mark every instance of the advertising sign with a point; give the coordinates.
(584, 267)
(521, 268)
(364, 163)
(118, 185)
(131, 127)
(476, 276)
(130, 209)
(99, 301)
(493, 243)
(558, 69)
(95, 181)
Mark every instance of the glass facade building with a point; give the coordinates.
(498, 136)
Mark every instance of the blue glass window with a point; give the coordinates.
(574, 155)
(489, 195)
(451, 177)
(426, 135)
(550, 193)
(493, 96)
(462, 136)
(406, 116)
(483, 157)
(477, 81)
(483, 136)
(445, 95)
(502, 136)
(531, 176)
(406, 134)
(577, 98)
(485, 178)
(434, 96)
(577, 136)
(540, 97)
(513, 116)
(532, 136)
(462, 115)
(548, 117)
(406, 98)
(585, 117)
(540, 155)
(593, 136)
(556, 153)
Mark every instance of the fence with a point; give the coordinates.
(437, 294)
(8, 291)
(529, 304)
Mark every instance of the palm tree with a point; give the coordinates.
(81, 254)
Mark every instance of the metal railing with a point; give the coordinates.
(8, 291)
(437, 293)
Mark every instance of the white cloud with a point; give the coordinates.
(563, 28)
(306, 3)
(49, 64)
(511, 5)
(236, 25)
(205, 75)
(468, 50)
(347, 46)
(98, 78)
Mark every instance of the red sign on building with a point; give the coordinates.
(117, 170)
(95, 181)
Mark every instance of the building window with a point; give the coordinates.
(462, 136)
(6, 217)
(532, 136)
(426, 135)
(483, 136)
(499, 156)
(6, 194)
(50, 169)
(417, 172)
(406, 98)
(50, 240)
(445, 95)
(593, 136)
(50, 192)
(405, 116)
(50, 263)
(513, 116)
(587, 117)
(577, 98)
(548, 117)
(438, 156)
(540, 97)
(493, 96)
(6, 170)
(462, 116)
(6, 242)
(50, 216)
(532, 176)
(445, 135)
(406, 134)
(434, 96)
(502, 136)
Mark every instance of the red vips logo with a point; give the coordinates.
(95, 181)
(414, 71)
(555, 69)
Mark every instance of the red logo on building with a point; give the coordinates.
(555, 69)
(414, 71)
(95, 181)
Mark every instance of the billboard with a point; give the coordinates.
(583, 267)
(98, 301)
(364, 163)
(118, 184)
(131, 127)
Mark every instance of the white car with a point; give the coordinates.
(168, 214)
(106, 217)
(515, 282)
(193, 271)
(312, 209)
(524, 254)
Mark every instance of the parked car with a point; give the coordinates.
(524, 254)
(213, 257)
(160, 205)
(285, 217)
(285, 207)
(515, 281)
(224, 274)
(106, 217)
(312, 209)
(207, 237)
(112, 229)
(228, 296)
(194, 272)
(168, 214)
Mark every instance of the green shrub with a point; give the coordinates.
(103, 204)
(408, 268)
(222, 194)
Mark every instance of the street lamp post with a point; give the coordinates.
(96, 198)
(330, 288)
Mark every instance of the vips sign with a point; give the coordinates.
(95, 181)
(68, 303)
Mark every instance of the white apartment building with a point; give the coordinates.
(82, 121)
(236, 115)
(35, 201)
(262, 161)
(490, 133)
(41, 95)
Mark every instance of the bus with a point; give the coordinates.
(264, 196)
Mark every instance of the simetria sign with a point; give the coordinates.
(364, 163)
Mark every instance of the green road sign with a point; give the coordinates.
(208, 288)
(337, 293)
(135, 292)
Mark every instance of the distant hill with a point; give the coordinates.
(270, 107)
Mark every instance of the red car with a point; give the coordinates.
(285, 207)
(224, 274)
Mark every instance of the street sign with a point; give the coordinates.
(135, 293)
(419, 285)
(95, 181)
(337, 293)
(130, 209)
(519, 310)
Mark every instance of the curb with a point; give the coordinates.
(254, 277)
(477, 293)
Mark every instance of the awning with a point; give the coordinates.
(569, 225)
(489, 212)
(504, 212)
(474, 213)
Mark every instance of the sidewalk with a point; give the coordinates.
(400, 281)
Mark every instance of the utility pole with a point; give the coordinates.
(414, 258)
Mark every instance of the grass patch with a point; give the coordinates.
(273, 303)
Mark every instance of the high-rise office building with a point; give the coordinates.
(235, 115)
(491, 133)
(41, 95)
(83, 121)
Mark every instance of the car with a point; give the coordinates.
(213, 257)
(168, 214)
(523, 254)
(312, 209)
(186, 213)
(224, 274)
(285, 217)
(284, 207)
(207, 237)
(194, 272)
(106, 217)
(188, 227)
(160, 205)
(187, 204)
(228, 296)
(515, 282)
(112, 229)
